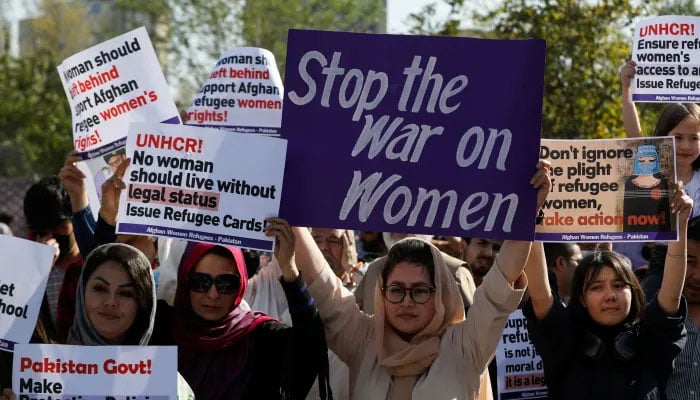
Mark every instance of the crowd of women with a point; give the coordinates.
(609, 342)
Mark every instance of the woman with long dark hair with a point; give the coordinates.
(608, 343)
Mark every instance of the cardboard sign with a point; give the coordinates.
(108, 86)
(667, 52)
(201, 184)
(243, 94)
(520, 368)
(412, 134)
(609, 190)
(95, 372)
(25, 271)
(112, 84)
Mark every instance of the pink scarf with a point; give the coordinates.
(194, 333)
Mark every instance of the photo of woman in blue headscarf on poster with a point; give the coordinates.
(646, 206)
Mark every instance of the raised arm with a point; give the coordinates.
(513, 254)
(630, 119)
(501, 291)
(74, 181)
(305, 355)
(348, 329)
(83, 221)
(310, 260)
(538, 281)
(676, 257)
(111, 190)
(284, 247)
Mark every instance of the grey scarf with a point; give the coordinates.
(82, 332)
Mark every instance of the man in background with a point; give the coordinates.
(479, 255)
(562, 260)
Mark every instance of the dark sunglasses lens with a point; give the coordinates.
(198, 282)
(227, 283)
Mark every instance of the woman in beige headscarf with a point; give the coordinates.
(417, 345)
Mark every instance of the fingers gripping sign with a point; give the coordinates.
(681, 203)
(627, 72)
(284, 246)
(111, 190)
(73, 180)
(542, 182)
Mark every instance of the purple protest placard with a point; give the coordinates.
(413, 134)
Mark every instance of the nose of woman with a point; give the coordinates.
(610, 295)
(111, 301)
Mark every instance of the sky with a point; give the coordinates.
(398, 11)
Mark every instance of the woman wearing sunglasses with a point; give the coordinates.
(418, 345)
(226, 352)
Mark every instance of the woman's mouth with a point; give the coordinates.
(108, 316)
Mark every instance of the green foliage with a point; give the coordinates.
(587, 42)
(35, 122)
(188, 35)
(265, 23)
(679, 7)
(424, 22)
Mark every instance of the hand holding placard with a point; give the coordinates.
(111, 191)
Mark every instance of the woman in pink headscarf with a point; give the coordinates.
(226, 352)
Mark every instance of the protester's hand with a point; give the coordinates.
(8, 394)
(74, 181)
(542, 182)
(681, 203)
(604, 246)
(48, 240)
(111, 190)
(627, 73)
(284, 246)
(451, 245)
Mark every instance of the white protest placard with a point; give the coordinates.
(94, 372)
(112, 84)
(520, 368)
(201, 184)
(667, 52)
(108, 86)
(242, 94)
(25, 271)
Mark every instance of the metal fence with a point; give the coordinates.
(11, 202)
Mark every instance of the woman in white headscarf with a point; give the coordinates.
(418, 344)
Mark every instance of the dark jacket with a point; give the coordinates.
(606, 363)
(273, 357)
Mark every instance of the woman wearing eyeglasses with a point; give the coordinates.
(418, 345)
(226, 352)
